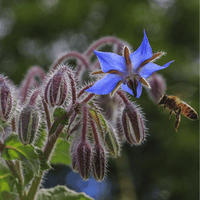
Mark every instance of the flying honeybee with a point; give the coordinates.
(175, 105)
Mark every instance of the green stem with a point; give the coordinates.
(15, 170)
(47, 152)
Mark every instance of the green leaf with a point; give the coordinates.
(96, 118)
(106, 131)
(103, 122)
(44, 165)
(7, 182)
(61, 193)
(58, 113)
(13, 149)
(112, 142)
(28, 176)
(62, 153)
(4, 170)
(5, 195)
(54, 127)
(99, 120)
(60, 118)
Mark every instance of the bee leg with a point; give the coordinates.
(170, 113)
(164, 107)
(178, 119)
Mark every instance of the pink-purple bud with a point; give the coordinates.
(56, 89)
(74, 162)
(5, 99)
(133, 124)
(28, 124)
(84, 154)
(158, 86)
(98, 162)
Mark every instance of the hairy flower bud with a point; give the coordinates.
(56, 89)
(99, 162)
(133, 124)
(158, 86)
(5, 99)
(28, 124)
(84, 153)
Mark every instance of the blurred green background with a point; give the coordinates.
(36, 32)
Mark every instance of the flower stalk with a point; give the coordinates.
(69, 55)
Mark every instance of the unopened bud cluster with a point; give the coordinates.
(93, 138)
(89, 156)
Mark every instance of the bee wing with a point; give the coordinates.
(184, 91)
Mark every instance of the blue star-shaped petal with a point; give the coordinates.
(129, 71)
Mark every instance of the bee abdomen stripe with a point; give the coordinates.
(192, 115)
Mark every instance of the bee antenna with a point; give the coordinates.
(159, 93)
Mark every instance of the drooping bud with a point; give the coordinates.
(56, 89)
(73, 147)
(5, 99)
(84, 154)
(28, 124)
(74, 162)
(99, 162)
(158, 87)
(133, 124)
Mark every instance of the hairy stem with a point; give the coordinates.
(68, 55)
(85, 88)
(101, 42)
(29, 81)
(73, 86)
(34, 96)
(123, 96)
(90, 96)
(16, 171)
(94, 130)
(13, 124)
(46, 110)
(85, 120)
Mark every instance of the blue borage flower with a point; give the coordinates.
(129, 71)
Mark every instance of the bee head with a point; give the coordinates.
(163, 99)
